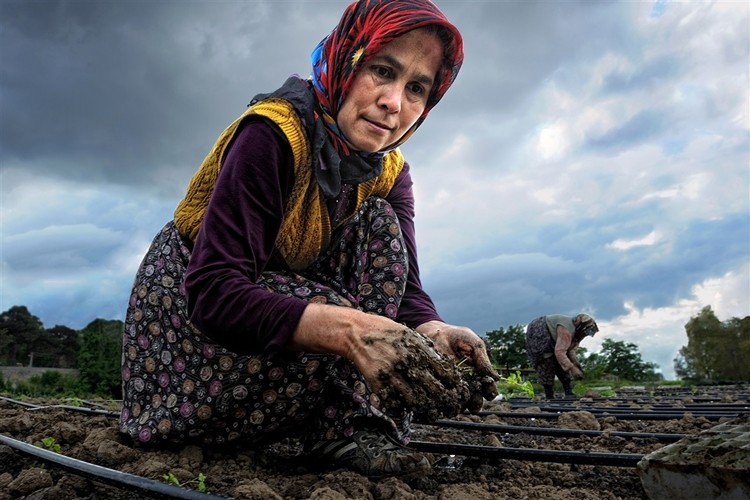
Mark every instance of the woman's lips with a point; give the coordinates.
(378, 125)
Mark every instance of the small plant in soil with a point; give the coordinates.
(199, 482)
(514, 384)
(50, 444)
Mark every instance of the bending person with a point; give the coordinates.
(552, 343)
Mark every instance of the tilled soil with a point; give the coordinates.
(280, 472)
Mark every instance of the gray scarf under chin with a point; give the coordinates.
(331, 170)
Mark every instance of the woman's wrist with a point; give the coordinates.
(321, 331)
(325, 328)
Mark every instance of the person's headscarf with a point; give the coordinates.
(586, 325)
(366, 27)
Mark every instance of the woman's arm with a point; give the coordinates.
(573, 354)
(563, 347)
(235, 242)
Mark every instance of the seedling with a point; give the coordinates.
(50, 443)
(75, 402)
(199, 482)
(514, 383)
(460, 365)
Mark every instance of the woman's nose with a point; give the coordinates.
(390, 99)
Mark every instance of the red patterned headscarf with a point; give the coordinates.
(365, 28)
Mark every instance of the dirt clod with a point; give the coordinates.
(437, 386)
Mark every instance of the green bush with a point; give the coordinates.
(49, 383)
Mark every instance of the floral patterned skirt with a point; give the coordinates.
(179, 386)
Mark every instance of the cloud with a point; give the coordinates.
(69, 252)
(659, 332)
(622, 244)
(637, 129)
(589, 156)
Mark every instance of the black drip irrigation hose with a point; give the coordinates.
(80, 409)
(547, 431)
(548, 415)
(105, 475)
(608, 405)
(611, 402)
(614, 409)
(632, 404)
(529, 454)
(712, 408)
(642, 398)
(675, 414)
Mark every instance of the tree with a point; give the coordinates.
(593, 364)
(683, 368)
(507, 348)
(716, 350)
(738, 345)
(67, 344)
(6, 342)
(620, 359)
(23, 340)
(100, 357)
(19, 331)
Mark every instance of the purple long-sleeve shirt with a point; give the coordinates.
(236, 240)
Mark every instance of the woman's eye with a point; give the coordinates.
(417, 89)
(381, 71)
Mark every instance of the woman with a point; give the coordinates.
(254, 313)
(551, 345)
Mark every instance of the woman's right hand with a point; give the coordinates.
(576, 373)
(365, 339)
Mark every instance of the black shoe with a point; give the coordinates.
(371, 454)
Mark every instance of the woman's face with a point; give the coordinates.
(389, 93)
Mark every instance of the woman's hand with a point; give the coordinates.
(461, 343)
(576, 373)
(365, 339)
(382, 351)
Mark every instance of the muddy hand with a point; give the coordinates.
(420, 380)
(378, 358)
(461, 343)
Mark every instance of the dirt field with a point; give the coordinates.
(279, 472)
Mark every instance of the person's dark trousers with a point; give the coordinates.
(549, 392)
(567, 388)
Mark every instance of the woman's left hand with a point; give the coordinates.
(461, 343)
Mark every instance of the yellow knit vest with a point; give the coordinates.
(306, 229)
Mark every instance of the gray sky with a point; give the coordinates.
(591, 156)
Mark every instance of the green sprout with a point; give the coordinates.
(199, 482)
(50, 443)
(514, 383)
(75, 402)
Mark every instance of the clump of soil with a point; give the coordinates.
(481, 387)
(436, 386)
